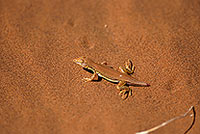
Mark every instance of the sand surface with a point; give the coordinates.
(41, 91)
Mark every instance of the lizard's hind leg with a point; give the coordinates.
(129, 68)
(125, 91)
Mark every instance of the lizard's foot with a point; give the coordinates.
(125, 93)
(86, 79)
(129, 68)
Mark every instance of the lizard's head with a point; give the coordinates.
(81, 61)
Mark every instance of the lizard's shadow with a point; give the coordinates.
(99, 77)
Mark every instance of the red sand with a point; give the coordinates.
(41, 91)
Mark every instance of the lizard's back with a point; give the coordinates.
(114, 75)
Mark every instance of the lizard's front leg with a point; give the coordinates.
(105, 63)
(94, 77)
(125, 91)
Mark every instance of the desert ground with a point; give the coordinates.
(41, 89)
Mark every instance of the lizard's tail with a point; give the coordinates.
(139, 84)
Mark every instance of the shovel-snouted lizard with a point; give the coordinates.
(123, 78)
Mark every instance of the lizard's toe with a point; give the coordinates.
(123, 94)
(130, 92)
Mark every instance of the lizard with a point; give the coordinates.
(122, 77)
